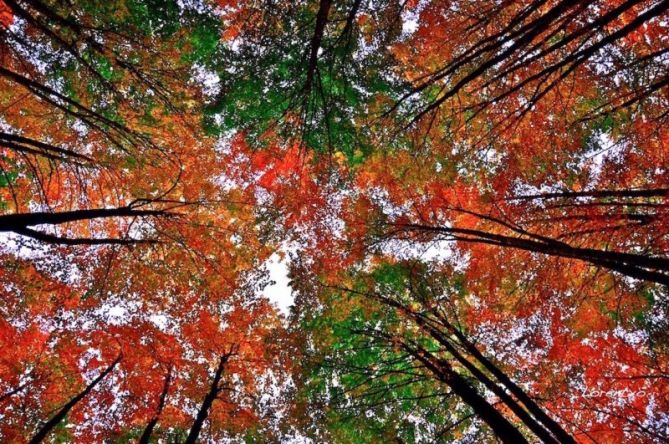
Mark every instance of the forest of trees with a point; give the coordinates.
(471, 198)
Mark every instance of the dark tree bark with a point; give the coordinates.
(526, 39)
(214, 390)
(14, 391)
(19, 223)
(649, 268)
(536, 424)
(44, 431)
(118, 134)
(502, 377)
(35, 147)
(11, 222)
(654, 192)
(315, 44)
(504, 430)
(146, 435)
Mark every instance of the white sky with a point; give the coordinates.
(280, 293)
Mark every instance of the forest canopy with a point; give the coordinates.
(308, 221)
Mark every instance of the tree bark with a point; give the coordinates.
(633, 265)
(518, 392)
(209, 399)
(44, 431)
(535, 425)
(146, 435)
(19, 223)
(655, 192)
(315, 44)
(504, 430)
(12, 222)
(31, 146)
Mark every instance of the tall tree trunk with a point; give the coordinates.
(506, 432)
(62, 413)
(144, 439)
(638, 266)
(518, 392)
(315, 44)
(38, 148)
(214, 390)
(535, 425)
(11, 222)
(19, 223)
(631, 193)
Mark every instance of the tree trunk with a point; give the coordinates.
(19, 223)
(535, 425)
(214, 390)
(506, 432)
(62, 413)
(315, 44)
(518, 392)
(654, 192)
(11, 222)
(634, 265)
(161, 404)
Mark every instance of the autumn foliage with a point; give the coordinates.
(471, 199)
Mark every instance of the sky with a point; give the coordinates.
(279, 293)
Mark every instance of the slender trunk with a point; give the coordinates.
(32, 146)
(144, 439)
(348, 27)
(314, 46)
(115, 132)
(44, 431)
(558, 248)
(518, 392)
(46, 11)
(655, 192)
(523, 40)
(14, 391)
(569, 63)
(53, 97)
(599, 23)
(634, 265)
(214, 390)
(506, 432)
(535, 425)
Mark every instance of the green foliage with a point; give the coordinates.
(7, 178)
(202, 43)
(374, 388)
(154, 16)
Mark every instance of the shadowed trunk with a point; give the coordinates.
(44, 431)
(638, 266)
(19, 223)
(144, 439)
(504, 430)
(518, 392)
(315, 44)
(536, 424)
(209, 399)
(654, 192)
